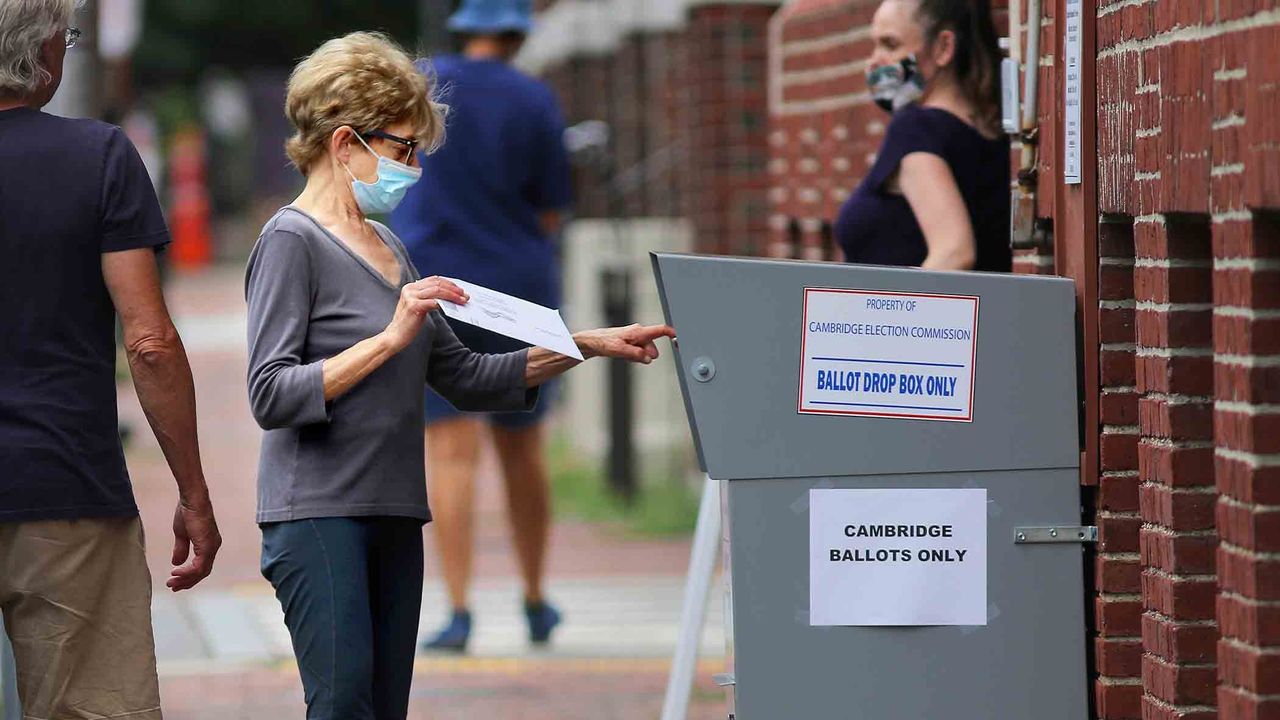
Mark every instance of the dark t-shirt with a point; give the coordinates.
(474, 214)
(70, 190)
(877, 227)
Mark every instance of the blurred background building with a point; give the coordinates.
(678, 89)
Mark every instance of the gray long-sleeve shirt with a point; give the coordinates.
(310, 298)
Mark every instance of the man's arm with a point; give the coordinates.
(166, 392)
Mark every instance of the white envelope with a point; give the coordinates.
(513, 317)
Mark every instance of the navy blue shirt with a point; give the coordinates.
(70, 190)
(474, 215)
(877, 227)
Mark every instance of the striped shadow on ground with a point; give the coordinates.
(615, 619)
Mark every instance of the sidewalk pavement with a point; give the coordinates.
(223, 650)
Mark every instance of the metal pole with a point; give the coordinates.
(617, 309)
(702, 568)
(591, 142)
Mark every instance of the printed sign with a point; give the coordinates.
(898, 557)
(1071, 52)
(888, 354)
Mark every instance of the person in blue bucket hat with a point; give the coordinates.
(488, 210)
(493, 16)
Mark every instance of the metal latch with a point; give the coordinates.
(1056, 534)
(723, 679)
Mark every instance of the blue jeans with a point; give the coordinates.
(9, 709)
(351, 589)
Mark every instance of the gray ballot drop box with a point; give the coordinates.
(752, 338)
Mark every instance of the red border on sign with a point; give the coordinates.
(973, 360)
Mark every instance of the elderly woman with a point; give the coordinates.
(342, 336)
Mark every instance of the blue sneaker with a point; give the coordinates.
(543, 618)
(454, 636)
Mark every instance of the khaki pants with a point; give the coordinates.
(76, 596)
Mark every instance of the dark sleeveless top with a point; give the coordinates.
(877, 227)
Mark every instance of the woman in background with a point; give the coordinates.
(937, 196)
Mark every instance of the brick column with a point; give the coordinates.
(1174, 289)
(1173, 282)
(1247, 408)
(1247, 369)
(1118, 603)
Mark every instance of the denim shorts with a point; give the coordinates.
(484, 341)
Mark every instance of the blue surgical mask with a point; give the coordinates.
(385, 193)
(893, 86)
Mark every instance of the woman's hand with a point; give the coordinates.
(416, 300)
(633, 342)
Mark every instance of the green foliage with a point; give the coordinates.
(665, 506)
(175, 107)
(182, 38)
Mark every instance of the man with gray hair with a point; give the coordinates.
(79, 228)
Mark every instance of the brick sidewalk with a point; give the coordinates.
(534, 691)
(607, 677)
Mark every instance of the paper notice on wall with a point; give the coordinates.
(898, 557)
(1072, 131)
(888, 354)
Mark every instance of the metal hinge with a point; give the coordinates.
(1056, 534)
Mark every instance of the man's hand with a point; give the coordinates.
(195, 544)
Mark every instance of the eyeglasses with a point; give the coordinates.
(412, 145)
(72, 36)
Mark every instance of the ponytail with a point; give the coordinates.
(977, 56)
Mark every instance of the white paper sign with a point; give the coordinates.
(898, 557)
(513, 317)
(888, 354)
(1073, 133)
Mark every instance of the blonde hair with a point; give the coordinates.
(25, 26)
(364, 81)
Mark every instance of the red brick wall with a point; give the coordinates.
(824, 129)
(728, 125)
(1188, 137)
(689, 118)
(1185, 583)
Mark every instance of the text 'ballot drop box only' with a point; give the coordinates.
(901, 496)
